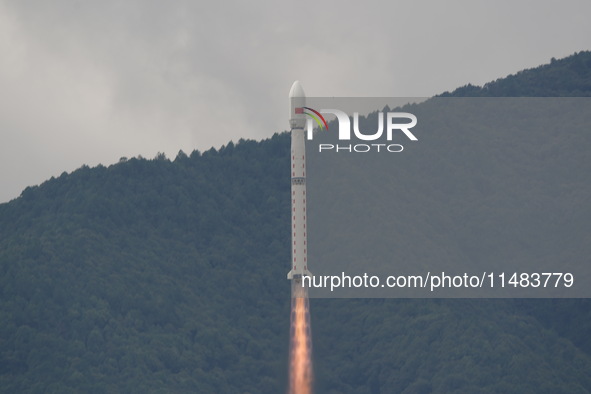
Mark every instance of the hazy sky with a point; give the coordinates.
(87, 82)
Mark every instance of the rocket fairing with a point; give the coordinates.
(297, 122)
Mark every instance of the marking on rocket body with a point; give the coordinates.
(317, 116)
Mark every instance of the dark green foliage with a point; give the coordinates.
(150, 276)
(158, 276)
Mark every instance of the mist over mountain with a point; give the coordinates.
(158, 275)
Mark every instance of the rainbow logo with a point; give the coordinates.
(317, 116)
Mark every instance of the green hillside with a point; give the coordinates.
(168, 276)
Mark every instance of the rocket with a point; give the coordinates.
(297, 123)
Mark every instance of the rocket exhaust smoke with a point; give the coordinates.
(300, 354)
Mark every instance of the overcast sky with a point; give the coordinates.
(87, 82)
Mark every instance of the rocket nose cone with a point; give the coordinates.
(296, 90)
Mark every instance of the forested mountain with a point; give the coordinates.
(168, 276)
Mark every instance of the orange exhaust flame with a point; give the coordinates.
(300, 374)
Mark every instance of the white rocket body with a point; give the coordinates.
(297, 122)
